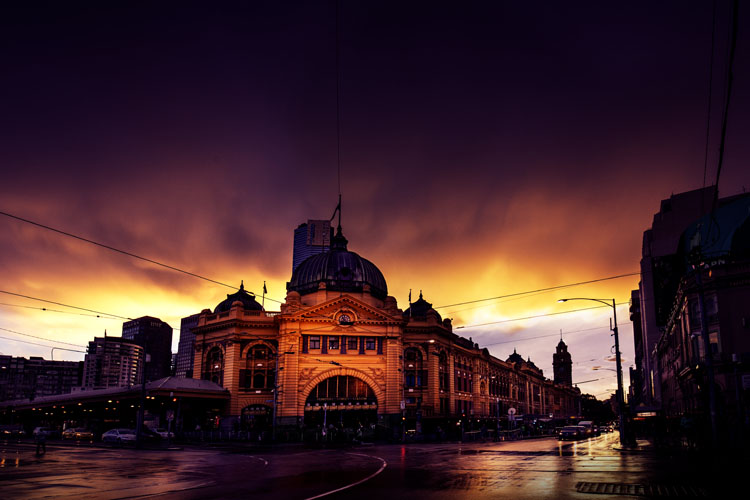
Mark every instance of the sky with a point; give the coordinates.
(486, 148)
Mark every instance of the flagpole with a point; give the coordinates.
(263, 300)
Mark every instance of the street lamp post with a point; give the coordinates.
(618, 361)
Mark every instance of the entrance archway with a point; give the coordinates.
(256, 419)
(343, 402)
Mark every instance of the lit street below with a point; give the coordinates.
(536, 468)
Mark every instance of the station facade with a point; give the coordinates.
(340, 350)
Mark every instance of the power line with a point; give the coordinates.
(41, 338)
(123, 252)
(537, 316)
(43, 345)
(557, 287)
(55, 310)
(544, 336)
(65, 305)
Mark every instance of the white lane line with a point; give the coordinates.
(265, 462)
(356, 483)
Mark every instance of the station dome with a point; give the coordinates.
(340, 270)
(247, 299)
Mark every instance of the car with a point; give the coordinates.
(46, 432)
(119, 436)
(78, 433)
(591, 429)
(164, 433)
(11, 431)
(572, 432)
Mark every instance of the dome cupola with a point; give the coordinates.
(247, 299)
(340, 270)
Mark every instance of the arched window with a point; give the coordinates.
(444, 374)
(260, 368)
(414, 373)
(341, 389)
(214, 367)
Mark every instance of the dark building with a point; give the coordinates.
(186, 347)
(660, 274)
(155, 336)
(112, 362)
(706, 337)
(562, 365)
(311, 238)
(22, 378)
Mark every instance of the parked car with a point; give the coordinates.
(119, 436)
(78, 433)
(11, 431)
(572, 432)
(164, 433)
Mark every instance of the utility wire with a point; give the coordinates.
(537, 316)
(123, 252)
(40, 338)
(557, 287)
(546, 336)
(43, 345)
(65, 305)
(55, 310)
(710, 97)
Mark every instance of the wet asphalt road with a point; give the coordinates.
(539, 468)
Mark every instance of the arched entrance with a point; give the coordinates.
(256, 419)
(344, 402)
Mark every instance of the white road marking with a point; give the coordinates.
(355, 483)
(265, 462)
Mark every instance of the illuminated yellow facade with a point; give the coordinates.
(340, 344)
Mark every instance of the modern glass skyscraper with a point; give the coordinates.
(311, 238)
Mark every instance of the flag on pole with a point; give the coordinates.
(264, 288)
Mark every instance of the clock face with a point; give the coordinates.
(345, 319)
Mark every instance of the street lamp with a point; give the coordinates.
(620, 401)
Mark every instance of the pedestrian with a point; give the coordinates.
(41, 444)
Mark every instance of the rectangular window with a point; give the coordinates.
(361, 345)
(314, 342)
(351, 343)
(333, 343)
(370, 344)
(343, 344)
(324, 345)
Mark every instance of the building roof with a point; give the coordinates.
(340, 270)
(420, 308)
(724, 232)
(242, 295)
(177, 386)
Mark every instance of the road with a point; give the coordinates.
(529, 469)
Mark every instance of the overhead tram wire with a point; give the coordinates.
(40, 338)
(557, 287)
(537, 316)
(710, 97)
(544, 337)
(66, 305)
(124, 252)
(47, 309)
(167, 266)
(43, 345)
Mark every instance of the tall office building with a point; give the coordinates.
(186, 347)
(311, 238)
(112, 362)
(22, 378)
(155, 336)
(562, 365)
